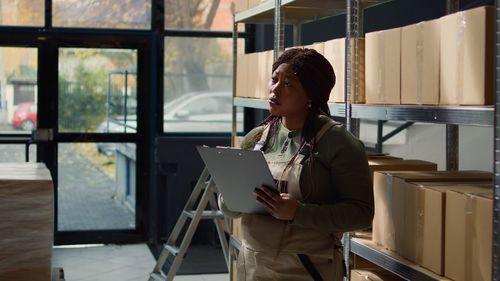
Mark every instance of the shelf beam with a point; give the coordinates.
(298, 11)
(457, 115)
(383, 258)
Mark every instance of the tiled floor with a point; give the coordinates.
(113, 262)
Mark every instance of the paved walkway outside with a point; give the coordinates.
(85, 194)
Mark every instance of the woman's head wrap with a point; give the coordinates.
(315, 74)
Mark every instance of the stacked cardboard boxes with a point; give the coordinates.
(467, 57)
(411, 211)
(334, 52)
(468, 235)
(253, 73)
(448, 61)
(383, 67)
(420, 63)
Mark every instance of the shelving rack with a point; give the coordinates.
(301, 11)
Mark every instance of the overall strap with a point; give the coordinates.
(329, 124)
(309, 266)
(259, 145)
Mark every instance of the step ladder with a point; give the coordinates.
(208, 191)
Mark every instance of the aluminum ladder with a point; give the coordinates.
(207, 189)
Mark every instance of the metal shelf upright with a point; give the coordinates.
(301, 11)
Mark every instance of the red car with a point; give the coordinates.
(25, 116)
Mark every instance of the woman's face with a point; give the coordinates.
(287, 97)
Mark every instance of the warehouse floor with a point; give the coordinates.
(113, 262)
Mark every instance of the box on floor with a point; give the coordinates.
(26, 222)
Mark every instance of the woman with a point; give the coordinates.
(322, 177)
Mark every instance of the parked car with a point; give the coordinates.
(197, 112)
(200, 112)
(24, 116)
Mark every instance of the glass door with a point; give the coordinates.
(95, 141)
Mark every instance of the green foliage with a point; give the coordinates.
(82, 104)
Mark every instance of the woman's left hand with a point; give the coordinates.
(281, 206)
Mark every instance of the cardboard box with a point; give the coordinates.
(409, 214)
(253, 75)
(319, 47)
(242, 76)
(334, 52)
(257, 68)
(468, 255)
(373, 274)
(394, 164)
(383, 67)
(377, 155)
(253, 3)
(420, 63)
(240, 5)
(265, 73)
(26, 222)
(467, 57)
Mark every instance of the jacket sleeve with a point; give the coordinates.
(351, 205)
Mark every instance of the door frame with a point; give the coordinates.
(48, 110)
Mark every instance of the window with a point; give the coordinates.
(199, 14)
(97, 90)
(125, 14)
(22, 12)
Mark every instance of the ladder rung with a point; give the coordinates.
(205, 214)
(172, 249)
(158, 276)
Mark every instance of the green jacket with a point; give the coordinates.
(335, 180)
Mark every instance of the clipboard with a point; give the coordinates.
(237, 172)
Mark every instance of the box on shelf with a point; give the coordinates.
(253, 3)
(242, 80)
(394, 164)
(383, 66)
(265, 73)
(420, 63)
(377, 155)
(334, 52)
(237, 141)
(409, 212)
(240, 5)
(26, 222)
(319, 47)
(467, 45)
(469, 228)
(373, 274)
(258, 74)
(254, 86)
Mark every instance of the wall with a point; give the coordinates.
(428, 142)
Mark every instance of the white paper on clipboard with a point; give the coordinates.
(237, 172)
